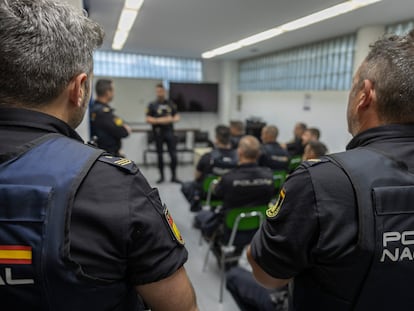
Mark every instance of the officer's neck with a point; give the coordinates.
(103, 100)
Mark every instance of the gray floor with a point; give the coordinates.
(207, 283)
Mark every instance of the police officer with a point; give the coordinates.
(216, 162)
(161, 114)
(80, 229)
(295, 147)
(105, 125)
(246, 185)
(272, 154)
(221, 159)
(341, 232)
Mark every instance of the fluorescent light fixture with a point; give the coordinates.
(125, 23)
(119, 39)
(314, 18)
(127, 19)
(133, 4)
(265, 35)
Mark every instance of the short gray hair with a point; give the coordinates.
(390, 66)
(43, 45)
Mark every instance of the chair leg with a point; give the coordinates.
(210, 247)
(222, 274)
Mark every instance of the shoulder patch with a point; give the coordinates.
(122, 163)
(274, 209)
(173, 227)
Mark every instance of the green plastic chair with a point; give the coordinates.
(278, 179)
(237, 220)
(294, 163)
(208, 185)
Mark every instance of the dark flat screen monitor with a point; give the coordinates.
(194, 97)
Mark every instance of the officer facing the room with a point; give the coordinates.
(162, 114)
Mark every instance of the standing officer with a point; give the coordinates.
(161, 114)
(105, 125)
(79, 230)
(342, 231)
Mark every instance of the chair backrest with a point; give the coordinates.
(245, 223)
(244, 219)
(294, 163)
(207, 181)
(208, 184)
(279, 178)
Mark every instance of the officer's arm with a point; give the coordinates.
(263, 277)
(170, 294)
(160, 120)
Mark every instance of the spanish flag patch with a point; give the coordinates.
(173, 227)
(15, 254)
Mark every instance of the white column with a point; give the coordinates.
(228, 90)
(366, 36)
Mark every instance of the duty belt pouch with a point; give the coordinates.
(385, 194)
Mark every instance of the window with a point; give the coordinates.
(146, 66)
(324, 65)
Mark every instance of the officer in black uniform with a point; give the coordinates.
(221, 159)
(342, 230)
(108, 128)
(295, 147)
(80, 229)
(161, 114)
(216, 162)
(246, 185)
(236, 132)
(272, 154)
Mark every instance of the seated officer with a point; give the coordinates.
(246, 185)
(314, 150)
(217, 162)
(272, 154)
(80, 229)
(236, 132)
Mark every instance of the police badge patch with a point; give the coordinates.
(173, 227)
(274, 209)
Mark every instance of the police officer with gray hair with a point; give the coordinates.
(80, 229)
(342, 231)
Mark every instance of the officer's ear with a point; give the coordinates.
(367, 95)
(78, 89)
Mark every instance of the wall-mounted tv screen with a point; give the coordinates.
(195, 97)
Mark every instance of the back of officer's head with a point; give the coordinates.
(248, 149)
(314, 150)
(43, 45)
(102, 86)
(390, 66)
(223, 134)
(269, 134)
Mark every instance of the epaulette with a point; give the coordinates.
(313, 162)
(122, 163)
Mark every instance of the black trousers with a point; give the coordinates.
(246, 292)
(167, 137)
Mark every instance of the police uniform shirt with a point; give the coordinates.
(118, 229)
(274, 156)
(312, 237)
(158, 109)
(108, 127)
(206, 167)
(245, 185)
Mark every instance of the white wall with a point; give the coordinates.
(131, 99)
(327, 111)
